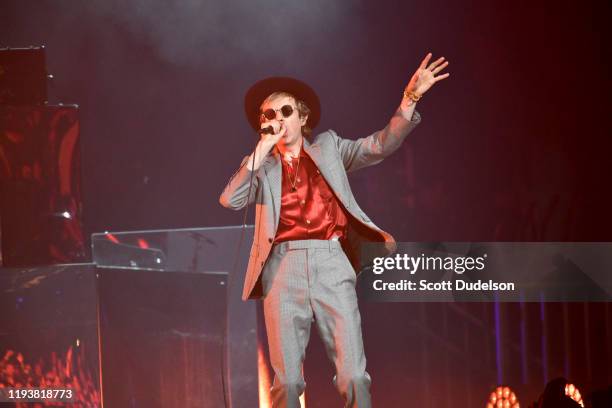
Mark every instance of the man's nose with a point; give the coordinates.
(279, 115)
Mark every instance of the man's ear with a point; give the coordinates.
(303, 120)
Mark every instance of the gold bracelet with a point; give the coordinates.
(412, 95)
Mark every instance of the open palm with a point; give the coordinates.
(425, 76)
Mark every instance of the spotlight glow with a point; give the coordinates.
(503, 397)
(572, 392)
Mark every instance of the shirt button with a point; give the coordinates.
(270, 240)
(302, 202)
(308, 222)
(298, 180)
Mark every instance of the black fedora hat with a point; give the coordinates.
(265, 87)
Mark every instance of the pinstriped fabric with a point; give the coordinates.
(310, 280)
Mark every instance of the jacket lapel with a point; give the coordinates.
(272, 167)
(314, 151)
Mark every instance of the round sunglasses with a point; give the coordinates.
(270, 114)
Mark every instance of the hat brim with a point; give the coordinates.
(265, 87)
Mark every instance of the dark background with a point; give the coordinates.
(514, 145)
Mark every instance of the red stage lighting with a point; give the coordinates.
(572, 392)
(503, 397)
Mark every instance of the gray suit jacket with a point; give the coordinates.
(334, 156)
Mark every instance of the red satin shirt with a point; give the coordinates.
(311, 211)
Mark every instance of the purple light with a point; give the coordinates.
(498, 356)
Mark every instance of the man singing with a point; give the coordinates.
(308, 226)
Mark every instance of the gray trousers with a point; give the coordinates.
(305, 280)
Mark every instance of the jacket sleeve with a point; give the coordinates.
(234, 195)
(372, 149)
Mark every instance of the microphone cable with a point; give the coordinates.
(227, 396)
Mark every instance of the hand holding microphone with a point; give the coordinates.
(266, 142)
(271, 132)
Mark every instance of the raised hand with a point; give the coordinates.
(425, 76)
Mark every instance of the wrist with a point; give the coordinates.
(407, 112)
(412, 95)
(265, 146)
(407, 105)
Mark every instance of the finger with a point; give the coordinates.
(425, 61)
(278, 136)
(274, 123)
(265, 124)
(435, 63)
(441, 77)
(278, 131)
(440, 68)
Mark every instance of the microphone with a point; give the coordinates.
(267, 130)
